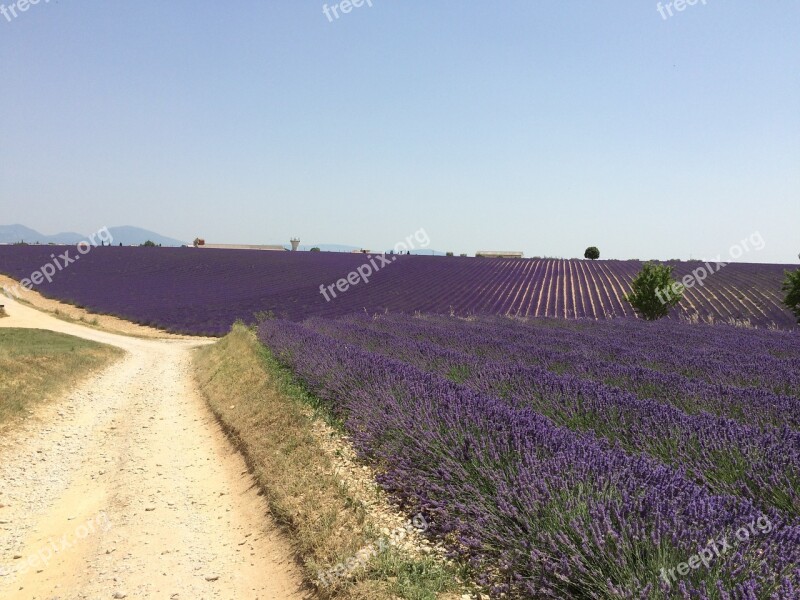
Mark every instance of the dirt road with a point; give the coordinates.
(127, 488)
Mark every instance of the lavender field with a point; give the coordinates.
(559, 446)
(576, 459)
(205, 291)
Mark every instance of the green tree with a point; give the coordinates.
(592, 252)
(314, 249)
(791, 285)
(654, 292)
(149, 244)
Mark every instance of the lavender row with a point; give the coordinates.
(578, 356)
(728, 457)
(715, 355)
(736, 356)
(536, 509)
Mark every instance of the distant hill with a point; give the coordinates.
(125, 235)
(10, 234)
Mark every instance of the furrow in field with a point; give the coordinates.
(588, 291)
(613, 279)
(521, 288)
(599, 291)
(542, 291)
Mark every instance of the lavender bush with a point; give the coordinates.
(537, 509)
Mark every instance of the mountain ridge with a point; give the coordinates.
(127, 235)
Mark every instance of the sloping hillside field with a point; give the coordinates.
(574, 459)
(205, 291)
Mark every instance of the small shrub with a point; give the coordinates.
(791, 285)
(654, 292)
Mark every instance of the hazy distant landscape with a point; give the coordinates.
(127, 236)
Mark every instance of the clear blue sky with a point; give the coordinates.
(520, 125)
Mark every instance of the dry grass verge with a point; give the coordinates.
(303, 472)
(38, 365)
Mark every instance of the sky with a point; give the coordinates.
(539, 126)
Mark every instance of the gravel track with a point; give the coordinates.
(127, 488)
